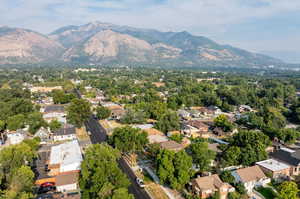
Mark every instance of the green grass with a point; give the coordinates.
(267, 192)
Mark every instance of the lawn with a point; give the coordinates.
(267, 192)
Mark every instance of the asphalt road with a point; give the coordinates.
(98, 135)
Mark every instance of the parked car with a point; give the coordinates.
(48, 184)
(140, 182)
(46, 189)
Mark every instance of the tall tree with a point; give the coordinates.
(128, 139)
(78, 112)
(102, 112)
(35, 121)
(168, 122)
(288, 190)
(100, 176)
(174, 168)
(202, 155)
(252, 146)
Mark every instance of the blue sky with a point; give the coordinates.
(269, 26)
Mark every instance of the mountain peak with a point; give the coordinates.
(100, 42)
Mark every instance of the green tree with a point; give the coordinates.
(176, 137)
(100, 175)
(102, 112)
(227, 177)
(55, 125)
(122, 193)
(231, 156)
(2, 125)
(202, 155)
(223, 122)
(174, 168)
(168, 122)
(134, 117)
(22, 180)
(60, 97)
(78, 112)
(35, 121)
(288, 189)
(252, 146)
(15, 122)
(128, 139)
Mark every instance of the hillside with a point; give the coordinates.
(104, 43)
(26, 46)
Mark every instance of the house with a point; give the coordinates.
(183, 114)
(196, 128)
(15, 137)
(65, 157)
(41, 89)
(67, 132)
(171, 133)
(171, 145)
(53, 112)
(117, 111)
(289, 157)
(251, 177)
(219, 132)
(207, 186)
(43, 134)
(155, 136)
(274, 168)
(209, 111)
(67, 182)
(245, 108)
(201, 126)
(158, 84)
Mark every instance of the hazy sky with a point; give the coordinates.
(270, 26)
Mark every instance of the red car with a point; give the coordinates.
(48, 184)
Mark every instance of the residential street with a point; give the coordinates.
(98, 135)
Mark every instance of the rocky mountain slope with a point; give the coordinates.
(25, 46)
(104, 43)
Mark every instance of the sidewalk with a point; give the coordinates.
(167, 190)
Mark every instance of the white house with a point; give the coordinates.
(65, 157)
(251, 177)
(67, 182)
(67, 132)
(53, 112)
(15, 137)
(43, 134)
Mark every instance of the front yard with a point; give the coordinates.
(267, 192)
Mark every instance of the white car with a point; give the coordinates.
(140, 182)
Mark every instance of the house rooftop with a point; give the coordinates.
(66, 178)
(287, 156)
(66, 154)
(67, 129)
(54, 108)
(208, 182)
(143, 126)
(273, 165)
(249, 174)
(171, 145)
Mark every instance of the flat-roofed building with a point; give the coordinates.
(65, 157)
(274, 168)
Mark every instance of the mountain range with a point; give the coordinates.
(104, 43)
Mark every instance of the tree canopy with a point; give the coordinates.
(128, 139)
(100, 176)
(78, 112)
(174, 168)
(246, 148)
